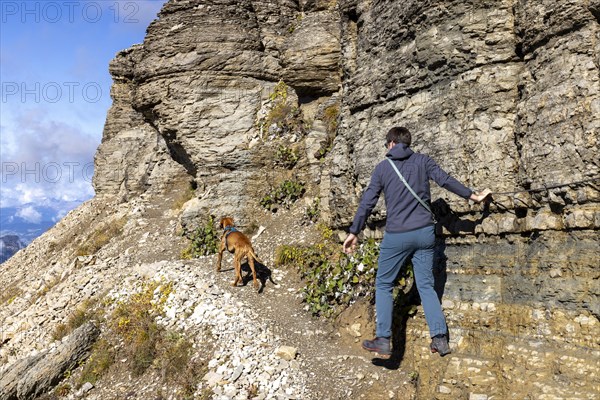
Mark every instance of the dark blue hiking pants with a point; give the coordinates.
(395, 250)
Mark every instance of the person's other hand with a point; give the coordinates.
(350, 243)
(479, 197)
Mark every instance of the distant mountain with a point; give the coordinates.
(9, 245)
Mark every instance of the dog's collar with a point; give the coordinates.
(229, 229)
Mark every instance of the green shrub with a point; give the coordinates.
(204, 241)
(333, 279)
(313, 211)
(284, 195)
(286, 157)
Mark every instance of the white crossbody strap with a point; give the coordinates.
(416, 196)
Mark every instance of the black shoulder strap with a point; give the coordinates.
(410, 189)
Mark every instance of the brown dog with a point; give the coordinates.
(237, 243)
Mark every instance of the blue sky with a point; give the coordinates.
(56, 92)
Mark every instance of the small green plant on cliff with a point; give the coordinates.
(330, 118)
(101, 237)
(204, 240)
(313, 211)
(283, 117)
(284, 195)
(294, 24)
(333, 279)
(286, 157)
(279, 92)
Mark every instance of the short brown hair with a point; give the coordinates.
(398, 134)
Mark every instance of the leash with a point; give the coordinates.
(545, 188)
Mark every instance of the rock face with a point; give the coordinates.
(193, 89)
(501, 93)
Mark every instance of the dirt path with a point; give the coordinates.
(337, 366)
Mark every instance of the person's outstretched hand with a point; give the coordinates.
(350, 243)
(479, 197)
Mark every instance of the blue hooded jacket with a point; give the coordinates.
(404, 212)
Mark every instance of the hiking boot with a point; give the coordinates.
(379, 345)
(439, 344)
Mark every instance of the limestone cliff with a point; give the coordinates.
(501, 93)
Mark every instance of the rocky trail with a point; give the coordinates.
(249, 328)
(260, 344)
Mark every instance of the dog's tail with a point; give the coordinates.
(251, 253)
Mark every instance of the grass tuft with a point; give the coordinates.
(101, 237)
(98, 363)
(10, 293)
(134, 336)
(135, 322)
(87, 311)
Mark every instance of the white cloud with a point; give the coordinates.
(24, 194)
(30, 214)
(44, 159)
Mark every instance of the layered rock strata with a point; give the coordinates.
(503, 94)
(196, 85)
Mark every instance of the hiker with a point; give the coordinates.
(409, 232)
